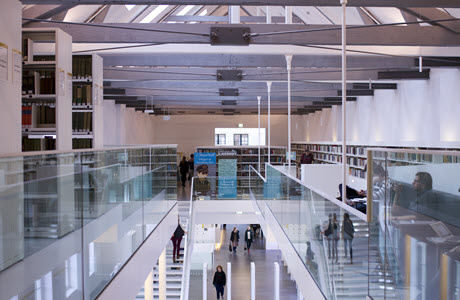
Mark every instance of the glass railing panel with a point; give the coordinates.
(415, 222)
(219, 188)
(101, 205)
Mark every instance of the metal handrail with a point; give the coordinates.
(185, 284)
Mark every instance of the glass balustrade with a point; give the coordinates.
(82, 214)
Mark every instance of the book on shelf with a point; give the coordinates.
(82, 95)
(82, 121)
(26, 116)
(82, 67)
(81, 143)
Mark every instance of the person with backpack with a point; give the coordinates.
(348, 233)
(235, 238)
(219, 281)
(176, 240)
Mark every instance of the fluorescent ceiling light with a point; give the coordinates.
(154, 13)
(129, 6)
(149, 111)
(185, 10)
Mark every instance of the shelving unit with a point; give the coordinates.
(331, 153)
(46, 91)
(87, 108)
(246, 156)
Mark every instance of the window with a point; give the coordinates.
(220, 139)
(240, 139)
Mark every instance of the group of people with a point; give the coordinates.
(235, 239)
(333, 233)
(186, 167)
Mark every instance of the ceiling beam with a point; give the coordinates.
(373, 3)
(428, 13)
(44, 11)
(200, 34)
(224, 19)
(254, 60)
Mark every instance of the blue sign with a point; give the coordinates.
(227, 179)
(205, 158)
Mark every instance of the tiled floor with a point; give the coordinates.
(241, 272)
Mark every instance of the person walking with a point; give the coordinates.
(335, 238)
(191, 164)
(176, 240)
(348, 233)
(184, 169)
(248, 237)
(235, 238)
(219, 281)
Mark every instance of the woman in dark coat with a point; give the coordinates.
(183, 168)
(235, 238)
(219, 281)
(248, 237)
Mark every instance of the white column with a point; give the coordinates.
(253, 281)
(229, 281)
(162, 275)
(299, 295)
(288, 13)
(288, 66)
(269, 87)
(277, 281)
(344, 99)
(234, 14)
(148, 287)
(268, 13)
(258, 121)
(205, 281)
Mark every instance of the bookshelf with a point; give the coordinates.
(331, 153)
(246, 156)
(46, 90)
(87, 107)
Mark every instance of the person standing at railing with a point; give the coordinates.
(348, 233)
(219, 281)
(184, 169)
(248, 237)
(235, 238)
(191, 163)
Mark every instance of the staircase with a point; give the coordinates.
(173, 270)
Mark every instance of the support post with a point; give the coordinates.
(268, 14)
(258, 121)
(162, 276)
(288, 66)
(253, 281)
(269, 87)
(229, 281)
(148, 287)
(234, 14)
(288, 13)
(205, 281)
(277, 281)
(344, 99)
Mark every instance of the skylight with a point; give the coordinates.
(154, 13)
(129, 6)
(203, 13)
(185, 10)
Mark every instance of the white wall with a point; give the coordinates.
(253, 135)
(10, 114)
(191, 131)
(125, 126)
(420, 113)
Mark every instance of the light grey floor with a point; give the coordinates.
(241, 271)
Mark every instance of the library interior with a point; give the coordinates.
(263, 149)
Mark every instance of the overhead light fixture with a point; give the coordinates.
(239, 212)
(240, 125)
(154, 13)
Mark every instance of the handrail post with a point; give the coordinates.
(229, 280)
(205, 281)
(277, 281)
(253, 281)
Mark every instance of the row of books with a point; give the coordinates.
(82, 121)
(354, 161)
(38, 82)
(36, 144)
(82, 95)
(356, 150)
(357, 173)
(43, 114)
(325, 148)
(82, 67)
(82, 143)
(328, 157)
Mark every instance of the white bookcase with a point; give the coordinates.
(87, 106)
(47, 87)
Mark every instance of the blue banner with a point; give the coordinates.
(205, 158)
(227, 179)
